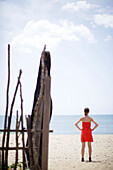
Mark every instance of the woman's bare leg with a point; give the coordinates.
(90, 149)
(83, 149)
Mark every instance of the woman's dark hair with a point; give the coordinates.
(86, 111)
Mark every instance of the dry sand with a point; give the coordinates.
(64, 153)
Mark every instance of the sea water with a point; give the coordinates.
(64, 124)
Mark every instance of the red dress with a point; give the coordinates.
(86, 135)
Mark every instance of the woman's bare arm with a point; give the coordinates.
(76, 124)
(96, 124)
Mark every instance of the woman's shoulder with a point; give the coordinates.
(82, 118)
(91, 118)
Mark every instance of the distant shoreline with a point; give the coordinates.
(64, 124)
(70, 114)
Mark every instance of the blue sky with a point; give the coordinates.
(79, 36)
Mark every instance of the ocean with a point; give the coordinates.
(64, 124)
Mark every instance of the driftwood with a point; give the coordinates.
(9, 121)
(40, 113)
(7, 104)
(37, 120)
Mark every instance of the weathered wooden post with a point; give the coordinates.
(46, 120)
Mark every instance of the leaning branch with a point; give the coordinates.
(9, 121)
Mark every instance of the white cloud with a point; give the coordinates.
(79, 5)
(101, 10)
(108, 38)
(36, 34)
(104, 19)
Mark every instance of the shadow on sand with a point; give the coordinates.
(93, 162)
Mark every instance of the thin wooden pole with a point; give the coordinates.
(17, 127)
(7, 104)
(13, 130)
(28, 120)
(13, 148)
(46, 119)
(10, 117)
(23, 142)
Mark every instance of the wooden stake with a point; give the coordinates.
(17, 127)
(7, 104)
(23, 151)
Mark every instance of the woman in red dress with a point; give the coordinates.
(86, 132)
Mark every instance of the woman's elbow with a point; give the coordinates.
(97, 125)
(75, 124)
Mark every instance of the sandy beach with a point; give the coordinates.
(64, 153)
